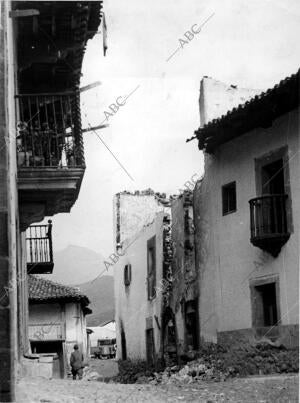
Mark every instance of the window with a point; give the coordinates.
(151, 268)
(127, 274)
(229, 198)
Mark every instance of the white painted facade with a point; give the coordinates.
(228, 262)
(134, 311)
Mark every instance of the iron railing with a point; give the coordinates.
(39, 246)
(49, 131)
(268, 216)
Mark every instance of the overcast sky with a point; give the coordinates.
(253, 44)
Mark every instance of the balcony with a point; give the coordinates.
(39, 249)
(50, 154)
(268, 222)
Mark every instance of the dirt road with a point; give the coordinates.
(273, 389)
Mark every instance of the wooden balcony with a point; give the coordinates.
(39, 249)
(268, 221)
(49, 154)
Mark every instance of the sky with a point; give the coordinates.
(252, 44)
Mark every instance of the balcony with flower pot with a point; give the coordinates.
(50, 155)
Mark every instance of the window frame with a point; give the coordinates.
(224, 187)
(274, 279)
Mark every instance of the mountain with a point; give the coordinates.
(76, 265)
(84, 268)
(101, 294)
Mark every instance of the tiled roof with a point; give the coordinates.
(45, 290)
(257, 112)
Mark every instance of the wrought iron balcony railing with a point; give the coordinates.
(268, 222)
(39, 249)
(49, 131)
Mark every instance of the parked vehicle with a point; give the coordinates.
(105, 348)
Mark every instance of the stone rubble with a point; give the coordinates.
(219, 364)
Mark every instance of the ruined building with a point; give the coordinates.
(183, 295)
(41, 150)
(155, 278)
(218, 263)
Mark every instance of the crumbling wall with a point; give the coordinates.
(184, 276)
(217, 98)
(133, 211)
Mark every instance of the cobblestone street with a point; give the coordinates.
(273, 389)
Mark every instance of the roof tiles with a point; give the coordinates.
(42, 290)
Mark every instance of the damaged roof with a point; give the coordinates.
(260, 111)
(42, 290)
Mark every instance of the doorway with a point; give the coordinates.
(191, 324)
(150, 348)
(123, 345)
(273, 178)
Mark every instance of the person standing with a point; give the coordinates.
(76, 362)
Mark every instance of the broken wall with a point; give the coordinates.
(184, 276)
(132, 211)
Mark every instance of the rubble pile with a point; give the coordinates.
(216, 363)
(135, 371)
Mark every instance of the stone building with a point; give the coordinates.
(155, 279)
(41, 148)
(246, 214)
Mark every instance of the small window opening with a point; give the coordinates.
(229, 198)
(127, 274)
(151, 268)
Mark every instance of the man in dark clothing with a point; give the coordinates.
(76, 362)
